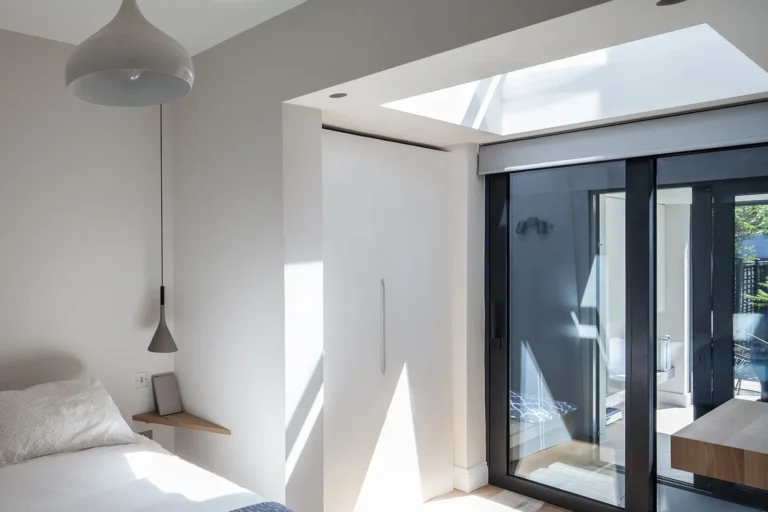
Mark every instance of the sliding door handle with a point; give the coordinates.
(383, 348)
(498, 322)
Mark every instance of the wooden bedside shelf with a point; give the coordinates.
(181, 420)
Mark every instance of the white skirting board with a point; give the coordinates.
(470, 479)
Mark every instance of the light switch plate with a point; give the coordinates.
(141, 380)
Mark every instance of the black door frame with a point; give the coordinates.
(640, 425)
(710, 174)
(639, 177)
(701, 299)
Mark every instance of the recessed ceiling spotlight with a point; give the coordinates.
(667, 3)
(338, 95)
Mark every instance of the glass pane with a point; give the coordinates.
(673, 324)
(675, 499)
(750, 322)
(567, 370)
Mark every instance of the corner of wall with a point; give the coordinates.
(468, 320)
(470, 479)
(303, 272)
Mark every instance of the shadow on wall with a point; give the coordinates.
(394, 477)
(381, 468)
(386, 458)
(33, 370)
(390, 461)
(304, 392)
(304, 443)
(304, 417)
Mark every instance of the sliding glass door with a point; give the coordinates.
(741, 279)
(555, 305)
(739, 348)
(625, 300)
(557, 319)
(750, 294)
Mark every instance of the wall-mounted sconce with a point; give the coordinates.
(542, 227)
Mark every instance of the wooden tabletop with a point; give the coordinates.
(730, 443)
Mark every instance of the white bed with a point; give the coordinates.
(134, 477)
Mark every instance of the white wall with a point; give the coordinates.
(228, 212)
(388, 429)
(304, 312)
(306, 393)
(469, 447)
(79, 232)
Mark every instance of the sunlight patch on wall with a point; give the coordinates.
(303, 331)
(393, 480)
(303, 437)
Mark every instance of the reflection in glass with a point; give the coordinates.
(750, 322)
(673, 325)
(567, 369)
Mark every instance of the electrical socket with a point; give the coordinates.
(141, 380)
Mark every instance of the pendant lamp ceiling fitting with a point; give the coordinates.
(129, 63)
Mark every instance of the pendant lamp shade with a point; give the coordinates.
(129, 63)
(162, 342)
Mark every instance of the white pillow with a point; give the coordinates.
(58, 417)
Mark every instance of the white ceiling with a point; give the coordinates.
(196, 24)
(740, 22)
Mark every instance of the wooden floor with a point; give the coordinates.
(487, 499)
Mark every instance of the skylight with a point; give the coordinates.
(683, 68)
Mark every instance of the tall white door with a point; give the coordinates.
(388, 402)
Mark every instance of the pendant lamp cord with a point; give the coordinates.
(162, 225)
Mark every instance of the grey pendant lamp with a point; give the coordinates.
(129, 63)
(162, 342)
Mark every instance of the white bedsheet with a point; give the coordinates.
(136, 477)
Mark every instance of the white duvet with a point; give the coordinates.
(135, 477)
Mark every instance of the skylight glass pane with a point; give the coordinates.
(682, 68)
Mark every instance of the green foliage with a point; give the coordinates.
(761, 299)
(751, 221)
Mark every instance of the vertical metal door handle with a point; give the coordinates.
(383, 354)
